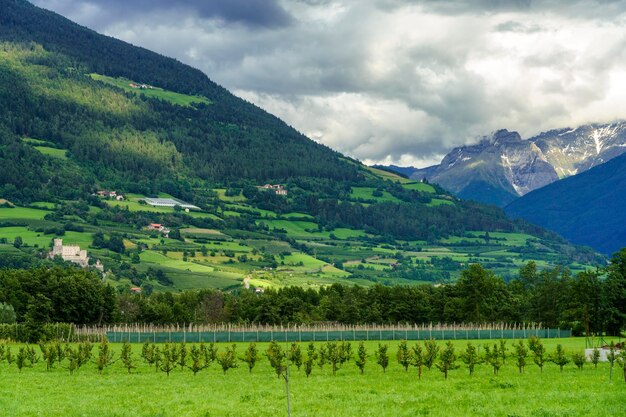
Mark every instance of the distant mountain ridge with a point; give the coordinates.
(503, 166)
(588, 208)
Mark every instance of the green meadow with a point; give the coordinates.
(154, 92)
(145, 392)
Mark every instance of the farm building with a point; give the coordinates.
(169, 202)
(278, 189)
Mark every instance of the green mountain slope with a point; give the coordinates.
(588, 208)
(81, 113)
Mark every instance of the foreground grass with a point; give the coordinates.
(35, 392)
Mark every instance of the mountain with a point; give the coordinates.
(588, 208)
(83, 115)
(503, 166)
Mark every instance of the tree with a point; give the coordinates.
(126, 356)
(169, 358)
(310, 358)
(196, 357)
(447, 360)
(539, 351)
(18, 242)
(382, 357)
(105, 355)
(276, 356)
(430, 355)
(615, 290)
(595, 357)
(361, 357)
(493, 358)
(418, 359)
(7, 313)
(503, 351)
(470, 357)
(521, 353)
(182, 355)
(404, 355)
(560, 357)
(295, 355)
(579, 359)
(251, 356)
(228, 358)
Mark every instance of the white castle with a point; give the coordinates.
(69, 253)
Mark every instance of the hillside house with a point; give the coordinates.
(158, 227)
(278, 189)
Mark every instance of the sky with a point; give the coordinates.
(392, 81)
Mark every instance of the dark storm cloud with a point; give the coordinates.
(253, 13)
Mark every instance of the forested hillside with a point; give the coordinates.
(588, 208)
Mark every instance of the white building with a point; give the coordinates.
(169, 202)
(69, 253)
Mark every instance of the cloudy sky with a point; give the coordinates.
(392, 81)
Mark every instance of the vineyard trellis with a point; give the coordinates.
(229, 333)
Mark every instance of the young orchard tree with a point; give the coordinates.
(210, 352)
(147, 352)
(126, 356)
(418, 359)
(539, 351)
(31, 356)
(158, 358)
(493, 358)
(49, 354)
(197, 360)
(382, 357)
(322, 356)
(345, 353)
(277, 358)
(447, 360)
(228, 359)
(430, 356)
(404, 355)
(503, 351)
(8, 356)
(309, 359)
(595, 357)
(169, 358)
(182, 355)
(470, 357)
(251, 356)
(105, 355)
(20, 359)
(334, 355)
(521, 352)
(295, 355)
(560, 357)
(361, 357)
(73, 357)
(579, 359)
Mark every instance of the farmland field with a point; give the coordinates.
(144, 392)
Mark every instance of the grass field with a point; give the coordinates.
(52, 152)
(21, 213)
(144, 392)
(172, 97)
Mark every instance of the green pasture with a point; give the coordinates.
(52, 152)
(221, 194)
(155, 92)
(365, 193)
(440, 202)
(145, 392)
(388, 175)
(21, 213)
(419, 186)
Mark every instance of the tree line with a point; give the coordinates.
(589, 302)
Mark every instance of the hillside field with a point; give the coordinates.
(240, 393)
